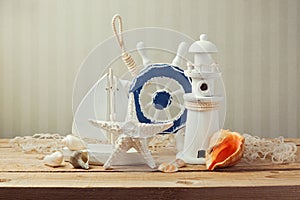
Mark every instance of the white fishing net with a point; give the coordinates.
(276, 150)
(161, 142)
(44, 143)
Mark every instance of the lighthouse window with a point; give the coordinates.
(203, 87)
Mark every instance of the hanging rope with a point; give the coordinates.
(127, 59)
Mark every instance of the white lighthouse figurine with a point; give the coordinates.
(202, 104)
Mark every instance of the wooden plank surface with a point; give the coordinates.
(20, 162)
(24, 175)
(117, 185)
(266, 193)
(150, 179)
(24, 162)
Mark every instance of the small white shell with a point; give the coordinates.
(80, 159)
(171, 167)
(168, 167)
(73, 143)
(54, 160)
(180, 163)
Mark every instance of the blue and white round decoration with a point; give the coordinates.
(158, 95)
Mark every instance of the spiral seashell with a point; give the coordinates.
(73, 143)
(54, 160)
(226, 149)
(80, 159)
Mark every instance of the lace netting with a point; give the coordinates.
(275, 149)
(38, 143)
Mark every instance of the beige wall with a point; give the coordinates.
(43, 42)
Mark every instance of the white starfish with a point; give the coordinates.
(132, 134)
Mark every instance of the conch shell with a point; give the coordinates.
(80, 159)
(226, 149)
(54, 160)
(73, 143)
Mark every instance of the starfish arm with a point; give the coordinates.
(148, 130)
(110, 126)
(125, 143)
(142, 147)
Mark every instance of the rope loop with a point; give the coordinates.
(127, 59)
(118, 33)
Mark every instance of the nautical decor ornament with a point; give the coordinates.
(90, 94)
(103, 101)
(202, 103)
(132, 134)
(158, 90)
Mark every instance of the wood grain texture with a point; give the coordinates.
(290, 192)
(199, 179)
(23, 176)
(19, 162)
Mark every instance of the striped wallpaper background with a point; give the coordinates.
(43, 42)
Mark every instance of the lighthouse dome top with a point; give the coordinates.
(203, 46)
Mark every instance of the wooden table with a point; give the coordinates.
(23, 176)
